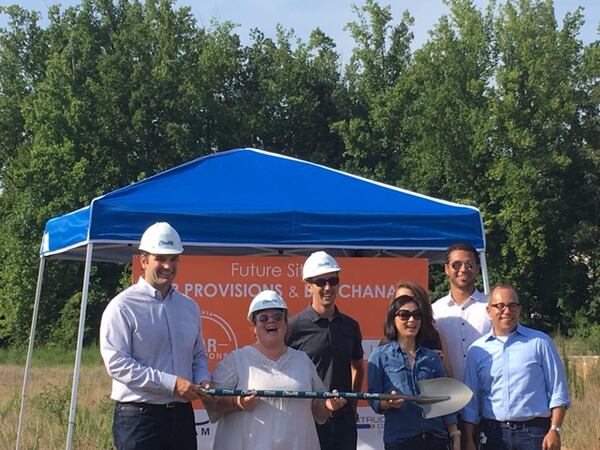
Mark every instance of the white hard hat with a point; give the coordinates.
(317, 264)
(161, 239)
(266, 300)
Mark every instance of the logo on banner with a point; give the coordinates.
(220, 337)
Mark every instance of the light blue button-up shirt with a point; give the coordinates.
(516, 380)
(147, 342)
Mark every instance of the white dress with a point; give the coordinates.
(275, 423)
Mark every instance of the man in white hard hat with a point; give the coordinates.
(152, 347)
(334, 343)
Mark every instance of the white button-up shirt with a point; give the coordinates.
(147, 342)
(461, 325)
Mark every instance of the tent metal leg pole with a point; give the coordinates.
(484, 273)
(36, 308)
(82, 313)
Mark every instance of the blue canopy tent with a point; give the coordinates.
(249, 201)
(252, 202)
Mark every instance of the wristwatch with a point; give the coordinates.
(555, 428)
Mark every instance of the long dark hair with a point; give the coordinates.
(389, 328)
(421, 298)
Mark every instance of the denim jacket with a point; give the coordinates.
(388, 370)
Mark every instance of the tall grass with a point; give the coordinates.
(582, 422)
(584, 339)
(50, 356)
(47, 408)
(50, 389)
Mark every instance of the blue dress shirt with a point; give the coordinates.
(516, 380)
(389, 370)
(147, 342)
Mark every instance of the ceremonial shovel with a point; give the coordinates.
(439, 396)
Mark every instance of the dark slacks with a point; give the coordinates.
(142, 426)
(426, 441)
(514, 435)
(339, 432)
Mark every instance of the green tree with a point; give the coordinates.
(535, 205)
(21, 66)
(442, 106)
(446, 118)
(291, 95)
(499, 109)
(117, 95)
(376, 67)
(584, 236)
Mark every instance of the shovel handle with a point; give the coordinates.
(322, 394)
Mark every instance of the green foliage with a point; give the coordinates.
(498, 109)
(588, 333)
(575, 381)
(493, 114)
(291, 95)
(376, 66)
(537, 156)
(9, 406)
(54, 401)
(50, 355)
(92, 423)
(96, 423)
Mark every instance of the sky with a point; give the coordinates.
(330, 16)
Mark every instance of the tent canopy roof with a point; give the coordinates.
(248, 201)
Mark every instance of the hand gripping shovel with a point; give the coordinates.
(439, 396)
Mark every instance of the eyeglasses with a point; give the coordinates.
(502, 306)
(469, 265)
(405, 314)
(265, 317)
(321, 282)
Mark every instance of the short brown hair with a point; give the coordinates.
(465, 246)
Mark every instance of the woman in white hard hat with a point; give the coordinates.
(268, 364)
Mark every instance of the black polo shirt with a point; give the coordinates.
(331, 344)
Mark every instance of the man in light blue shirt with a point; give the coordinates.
(518, 381)
(152, 347)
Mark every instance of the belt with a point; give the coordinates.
(418, 440)
(516, 425)
(170, 405)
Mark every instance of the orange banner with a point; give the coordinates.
(225, 285)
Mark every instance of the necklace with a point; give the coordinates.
(410, 356)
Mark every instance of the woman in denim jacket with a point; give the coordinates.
(396, 367)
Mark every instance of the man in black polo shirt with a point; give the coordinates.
(334, 343)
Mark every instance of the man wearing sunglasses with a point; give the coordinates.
(461, 317)
(518, 381)
(334, 343)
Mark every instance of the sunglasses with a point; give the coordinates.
(469, 265)
(265, 317)
(405, 314)
(502, 306)
(321, 282)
